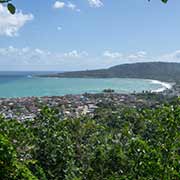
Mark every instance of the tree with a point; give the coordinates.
(10, 167)
(12, 8)
(164, 1)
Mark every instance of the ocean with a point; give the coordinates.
(23, 84)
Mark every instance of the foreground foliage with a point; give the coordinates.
(118, 143)
(12, 9)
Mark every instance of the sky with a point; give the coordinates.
(68, 35)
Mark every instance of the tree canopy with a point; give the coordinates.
(12, 8)
(117, 143)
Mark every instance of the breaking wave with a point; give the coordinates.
(164, 85)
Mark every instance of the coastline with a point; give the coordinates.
(165, 85)
(26, 108)
(62, 86)
(75, 105)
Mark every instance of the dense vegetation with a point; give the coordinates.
(118, 143)
(150, 70)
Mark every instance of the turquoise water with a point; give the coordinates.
(22, 85)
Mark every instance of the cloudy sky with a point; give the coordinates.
(88, 34)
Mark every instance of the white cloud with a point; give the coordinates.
(39, 51)
(69, 5)
(72, 6)
(58, 5)
(137, 56)
(10, 24)
(95, 3)
(118, 55)
(112, 55)
(174, 56)
(37, 59)
(114, 58)
(12, 58)
(75, 54)
(141, 53)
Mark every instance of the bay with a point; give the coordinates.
(23, 84)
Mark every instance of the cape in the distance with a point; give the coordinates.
(163, 71)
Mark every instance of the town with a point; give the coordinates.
(70, 106)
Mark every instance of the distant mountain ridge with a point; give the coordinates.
(148, 70)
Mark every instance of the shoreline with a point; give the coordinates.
(165, 85)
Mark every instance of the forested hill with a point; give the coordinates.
(149, 70)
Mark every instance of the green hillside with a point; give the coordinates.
(150, 70)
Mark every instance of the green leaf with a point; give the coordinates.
(11, 8)
(4, 1)
(164, 1)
